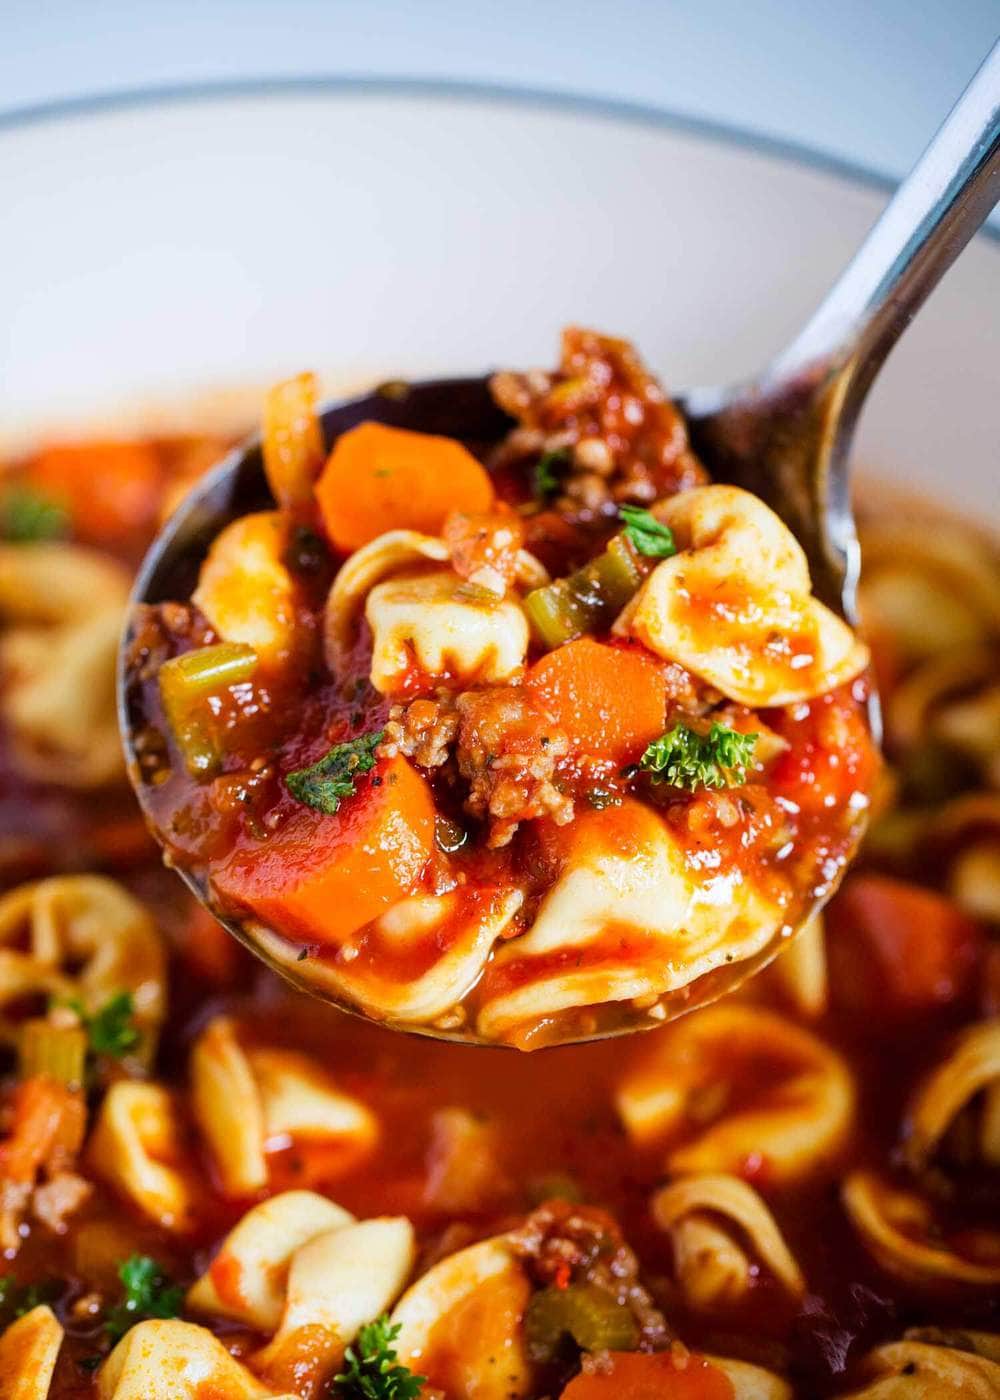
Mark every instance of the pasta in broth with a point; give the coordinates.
(528, 751)
(212, 1187)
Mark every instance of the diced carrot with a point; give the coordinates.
(48, 1118)
(110, 489)
(898, 948)
(378, 478)
(667, 1375)
(611, 700)
(292, 441)
(320, 877)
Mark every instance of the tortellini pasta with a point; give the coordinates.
(63, 608)
(719, 1226)
(800, 972)
(79, 937)
(973, 1068)
(247, 1279)
(245, 588)
(628, 918)
(899, 1227)
(734, 604)
(914, 1370)
(29, 1350)
(172, 1360)
(451, 935)
(752, 1382)
(460, 1324)
(430, 621)
(138, 1146)
(337, 1281)
(249, 1100)
(357, 576)
(792, 1124)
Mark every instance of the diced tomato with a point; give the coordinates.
(898, 948)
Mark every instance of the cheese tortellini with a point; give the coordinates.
(430, 621)
(917, 1370)
(29, 1350)
(718, 1227)
(62, 609)
(734, 604)
(678, 1093)
(79, 937)
(247, 1279)
(628, 918)
(899, 1227)
(172, 1360)
(460, 1324)
(248, 1100)
(139, 1146)
(245, 588)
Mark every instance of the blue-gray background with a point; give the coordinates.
(863, 80)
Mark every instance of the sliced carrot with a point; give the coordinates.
(318, 878)
(110, 489)
(898, 948)
(667, 1375)
(378, 478)
(611, 701)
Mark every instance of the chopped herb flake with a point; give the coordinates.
(545, 479)
(111, 1029)
(26, 515)
(148, 1294)
(646, 534)
(373, 1373)
(327, 782)
(686, 759)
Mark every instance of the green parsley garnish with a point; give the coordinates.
(148, 1294)
(324, 784)
(545, 479)
(26, 515)
(373, 1373)
(111, 1030)
(686, 759)
(646, 534)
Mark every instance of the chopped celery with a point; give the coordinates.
(582, 1312)
(58, 1051)
(588, 600)
(185, 684)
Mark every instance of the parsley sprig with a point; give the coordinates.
(148, 1294)
(111, 1029)
(373, 1372)
(27, 515)
(685, 758)
(547, 475)
(646, 534)
(327, 782)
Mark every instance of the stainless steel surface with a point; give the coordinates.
(787, 434)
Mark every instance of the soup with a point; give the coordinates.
(211, 1186)
(528, 749)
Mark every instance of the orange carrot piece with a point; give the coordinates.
(110, 489)
(378, 478)
(318, 878)
(611, 700)
(48, 1117)
(666, 1375)
(292, 441)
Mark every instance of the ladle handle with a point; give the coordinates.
(929, 220)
